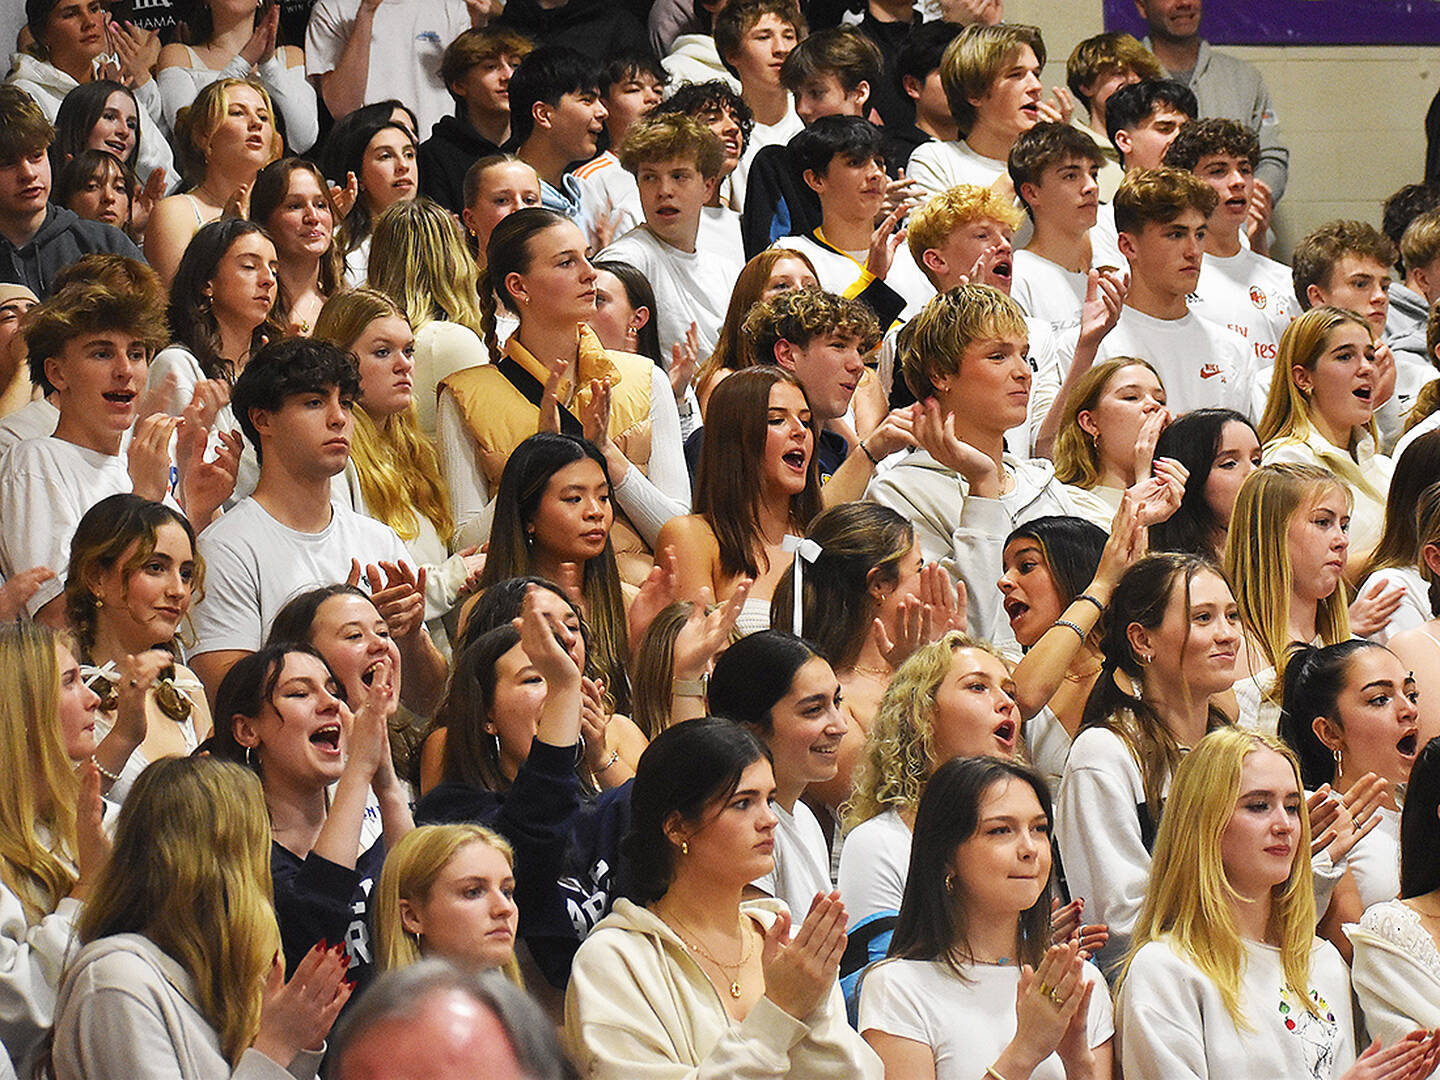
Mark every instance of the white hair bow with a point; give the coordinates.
(804, 550)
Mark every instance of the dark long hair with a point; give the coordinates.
(638, 293)
(727, 495)
(294, 621)
(1415, 470)
(527, 474)
(933, 921)
(753, 674)
(192, 322)
(345, 153)
(1314, 679)
(79, 112)
(687, 770)
(1420, 825)
(1193, 440)
(1072, 548)
(272, 185)
(1141, 596)
(472, 755)
(856, 539)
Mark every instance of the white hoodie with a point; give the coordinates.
(48, 85)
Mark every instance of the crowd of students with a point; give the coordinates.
(624, 540)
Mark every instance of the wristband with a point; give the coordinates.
(869, 455)
(696, 688)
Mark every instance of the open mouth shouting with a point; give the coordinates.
(795, 460)
(327, 738)
(1407, 745)
(1005, 734)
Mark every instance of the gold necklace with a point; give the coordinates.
(725, 969)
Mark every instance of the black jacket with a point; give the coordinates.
(599, 29)
(454, 145)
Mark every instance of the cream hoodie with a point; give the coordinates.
(640, 1008)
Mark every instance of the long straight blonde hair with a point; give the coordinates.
(410, 871)
(418, 257)
(190, 870)
(1287, 409)
(41, 791)
(1257, 558)
(1190, 900)
(397, 465)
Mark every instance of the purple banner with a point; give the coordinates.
(1303, 22)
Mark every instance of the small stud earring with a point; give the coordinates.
(949, 883)
(684, 848)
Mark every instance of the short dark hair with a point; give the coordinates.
(685, 769)
(855, 138)
(547, 74)
(630, 63)
(1200, 139)
(1045, 146)
(1131, 105)
(244, 691)
(922, 49)
(838, 50)
(1403, 207)
(284, 368)
(714, 95)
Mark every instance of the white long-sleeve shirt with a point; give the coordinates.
(291, 93)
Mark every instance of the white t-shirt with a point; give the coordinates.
(720, 233)
(34, 420)
(1424, 427)
(1414, 610)
(1375, 860)
(802, 860)
(936, 166)
(966, 1023)
(1201, 365)
(777, 134)
(254, 564)
(838, 271)
(1098, 828)
(1105, 240)
(408, 38)
(609, 192)
(1173, 1024)
(46, 485)
(1254, 297)
(690, 286)
(1046, 290)
(873, 865)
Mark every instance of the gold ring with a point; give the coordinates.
(1046, 990)
(1054, 996)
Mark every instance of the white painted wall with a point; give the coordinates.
(1353, 117)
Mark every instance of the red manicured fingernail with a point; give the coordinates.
(324, 944)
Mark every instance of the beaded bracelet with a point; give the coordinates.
(1072, 626)
(871, 456)
(1086, 596)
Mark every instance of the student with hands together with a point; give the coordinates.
(697, 984)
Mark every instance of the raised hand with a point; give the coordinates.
(550, 397)
(398, 593)
(345, 197)
(936, 435)
(261, 46)
(684, 359)
(707, 631)
(146, 198)
(883, 241)
(657, 592)
(896, 431)
(1162, 493)
(595, 413)
(1046, 1001)
(547, 642)
(1126, 543)
(1105, 295)
(92, 842)
(15, 592)
(800, 971)
(297, 1015)
(238, 205)
(136, 49)
(901, 194)
(1372, 610)
(1060, 108)
(149, 456)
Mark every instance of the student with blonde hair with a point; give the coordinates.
(1105, 442)
(1171, 637)
(170, 982)
(52, 843)
(448, 891)
(396, 466)
(420, 260)
(952, 698)
(1225, 976)
(1321, 411)
(1286, 556)
(224, 139)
